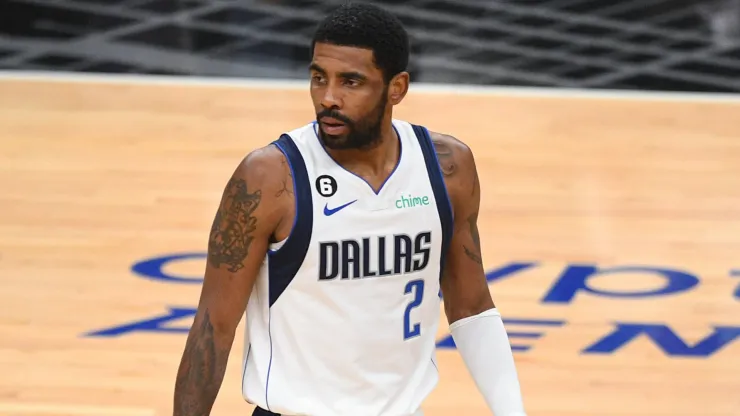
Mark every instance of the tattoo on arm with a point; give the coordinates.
(474, 254)
(449, 166)
(232, 227)
(201, 371)
(445, 157)
(285, 190)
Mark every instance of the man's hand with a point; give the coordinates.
(247, 216)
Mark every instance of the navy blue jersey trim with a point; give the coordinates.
(444, 206)
(285, 262)
(246, 363)
(269, 365)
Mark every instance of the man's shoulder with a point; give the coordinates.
(265, 169)
(457, 163)
(448, 140)
(453, 154)
(261, 161)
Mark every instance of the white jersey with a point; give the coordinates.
(343, 317)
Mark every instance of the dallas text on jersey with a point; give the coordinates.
(353, 259)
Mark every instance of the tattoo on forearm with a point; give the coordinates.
(201, 371)
(474, 254)
(445, 157)
(473, 224)
(232, 227)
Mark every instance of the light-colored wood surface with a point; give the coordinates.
(96, 177)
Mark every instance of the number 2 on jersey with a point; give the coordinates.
(417, 287)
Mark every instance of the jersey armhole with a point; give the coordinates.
(286, 257)
(273, 248)
(439, 187)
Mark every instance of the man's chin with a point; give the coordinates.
(333, 141)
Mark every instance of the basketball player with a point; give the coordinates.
(336, 239)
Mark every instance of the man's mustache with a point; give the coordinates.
(334, 114)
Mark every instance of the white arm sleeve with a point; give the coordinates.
(484, 347)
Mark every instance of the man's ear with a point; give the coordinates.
(398, 87)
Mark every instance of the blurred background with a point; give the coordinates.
(676, 45)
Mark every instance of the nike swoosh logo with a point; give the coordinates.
(333, 211)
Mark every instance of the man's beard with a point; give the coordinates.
(363, 134)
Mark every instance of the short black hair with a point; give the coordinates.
(367, 26)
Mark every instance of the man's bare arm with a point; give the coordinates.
(475, 322)
(464, 284)
(247, 216)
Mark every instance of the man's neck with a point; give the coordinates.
(373, 161)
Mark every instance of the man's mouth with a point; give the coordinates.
(332, 126)
(331, 122)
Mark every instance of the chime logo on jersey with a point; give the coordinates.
(409, 201)
(366, 257)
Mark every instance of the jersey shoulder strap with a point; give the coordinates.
(285, 262)
(437, 181)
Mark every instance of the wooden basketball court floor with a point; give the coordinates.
(103, 180)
